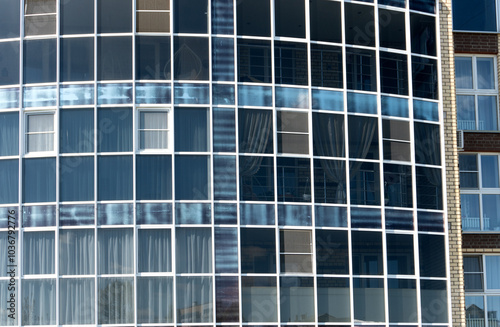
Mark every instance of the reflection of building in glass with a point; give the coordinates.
(250, 162)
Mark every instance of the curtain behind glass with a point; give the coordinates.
(116, 300)
(76, 252)
(155, 300)
(5, 320)
(39, 253)
(115, 129)
(255, 133)
(155, 250)
(9, 134)
(194, 299)
(492, 269)
(77, 130)
(194, 250)
(39, 302)
(76, 301)
(115, 251)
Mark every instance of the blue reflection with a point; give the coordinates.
(39, 216)
(226, 250)
(193, 213)
(114, 93)
(256, 214)
(154, 213)
(76, 215)
(5, 213)
(425, 110)
(40, 96)
(224, 132)
(291, 97)
(399, 219)
(294, 215)
(430, 221)
(188, 93)
(222, 17)
(254, 95)
(392, 106)
(153, 93)
(224, 177)
(361, 103)
(327, 100)
(223, 94)
(331, 216)
(115, 214)
(222, 59)
(225, 213)
(366, 218)
(72, 95)
(9, 98)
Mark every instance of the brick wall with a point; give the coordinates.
(481, 142)
(480, 241)
(476, 43)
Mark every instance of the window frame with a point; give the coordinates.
(165, 12)
(497, 21)
(168, 111)
(26, 134)
(476, 92)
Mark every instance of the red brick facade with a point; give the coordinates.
(476, 43)
(481, 142)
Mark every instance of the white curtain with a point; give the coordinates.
(9, 134)
(154, 253)
(154, 300)
(5, 320)
(39, 302)
(492, 269)
(194, 299)
(76, 301)
(194, 250)
(76, 252)
(116, 300)
(39, 253)
(115, 251)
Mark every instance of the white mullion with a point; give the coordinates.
(55, 145)
(96, 144)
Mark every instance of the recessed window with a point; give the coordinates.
(153, 130)
(40, 132)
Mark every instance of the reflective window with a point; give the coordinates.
(427, 144)
(480, 16)
(77, 59)
(402, 300)
(40, 132)
(432, 265)
(295, 251)
(9, 25)
(256, 178)
(256, 291)
(290, 61)
(255, 131)
(429, 188)
(398, 186)
(333, 299)
(328, 261)
(191, 58)
(391, 28)
(9, 174)
(363, 137)
(434, 292)
(225, 178)
(222, 17)
(114, 129)
(359, 24)
(297, 299)
(115, 300)
(190, 16)
(155, 300)
(154, 177)
(360, 67)
(76, 132)
(37, 291)
(115, 251)
(396, 138)
(326, 65)
(400, 258)
(192, 177)
(77, 17)
(9, 131)
(224, 138)
(293, 175)
(227, 298)
(114, 58)
(39, 180)
(365, 183)
(76, 301)
(367, 253)
(9, 63)
(325, 21)
(290, 18)
(253, 17)
(194, 299)
(114, 16)
(76, 179)
(191, 129)
(222, 59)
(258, 250)
(39, 253)
(372, 288)
(423, 34)
(393, 73)
(293, 136)
(254, 61)
(193, 250)
(152, 58)
(114, 178)
(39, 61)
(76, 252)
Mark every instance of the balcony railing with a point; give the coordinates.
(479, 322)
(474, 223)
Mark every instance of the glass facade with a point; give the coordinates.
(201, 163)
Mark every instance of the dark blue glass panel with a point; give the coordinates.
(191, 129)
(115, 214)
(191, 93)
(224, 178)
(255, 132)
(395, 3)
(367, 253)
(222, 17)
(363, 137)
(9, 175)
(5, 213)
(114, 58)
(39, 180)
(392, 106)
(292, 97)
(366, 218)
(359, 24)
(114, 93)
(258, 250)
(152, 58)
(72, 95)
(40, 96)
(297, 299)
(114, 16)
(9, 62)
(114, 178)
(191, 58)
(77, 17)
(224, 130)
(399, 219)
(480, 16)
(398, 186)
(76, 180)
(393, 73)
(9, 134)
(392, 29)
(364, 183)
(325, 21)
(114, 129)
(150, 93)
(425, 83)
(329, 181)
(253, 17)
(192, 177)
(427, 143)
(423, 34)
(259, 96)
(40, 61)
(333, 299)
(430, 222)
(294, 180)
(327, 100)
(154, 213)
(425, 110)
(430, 6)
(290, 21)
(9, 98)
(225, 213)
(9, 24)
(222, 59)
(223, 94)
(227, 299)
(154, 178)
(193, 213)
(226, 250)
(256, 214)
(76, 215)
(361, 103)
(330, 216)
(294, 215)
(77, 59)
(39, 216)
(190, 16)
(360, 69)
(76, 131)
(432, 265)
(400, 258)
(256, 178)
(433, 295)
(332, 252)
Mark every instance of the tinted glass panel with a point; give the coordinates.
(256, 178)
(114, 177)
(363, 137)
(9, 172)
(290, 60)
(392, 29)
(294, 180)
(192, 180)
(253, 17)
(333, 300)
(222, 59)
(393, 73)
(152, 57)
(361, 73)
(290, 18)
(359, 23)
(114, 16)
(9, 25)
(191, 129)
(227, 299)
(325, 21)
(9, 132)
(478, 17)
(425, 84)
(191, 58)
(326, 65)
(222, 17)
(255, 131)
(432, 255)
(254, 61)
(367, 253)
(423, 34)
(154, 177)
(39, 180)
(114, 58)
(77, 17)
(400, 259)
(332, 252)
(114, 130)
(402, 300)
(9, 63)
(77, 59)
(258, 250)
(398, 186)
(40, 61)
(224, 178)
(297, 299)
(76, 130)
(190, 16)
(427, 144)
(76, 179)
(365, 183)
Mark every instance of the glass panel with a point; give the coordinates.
(39, 180)
(356, 16)
(331, 216)
(224, 178)
(256, 214)
(427, 144)
(77, 59)
(114, 16)
(402, 300)
(259, 299)
(325, 21)
(193, 250)
(39, 296)
(491, 212)
(9, 25)
(255, 131)
(114, 93)
(152, 58)
(77, 17)
(223, 94)
(190, 16)
(9, 98)
(294, 215)
(423, 34)
(39, 25)
(326, 64)
(399, 219)
(333, 300)
(423, 5)
(222, 17)
(327, 100)
(253, 17)
(474, 311)
(154, 177)
(426, 110)
(290, 20)
(9, 303)
(254, 58)
(114, 178)
(433, 297)
(39, 216)
(40, 96)
(72, 95)
(256, 178)
(9, 133)
(393, 73)
(224, 138)
(360, 69)
(76, 130)
(115, 298)
(155, 300)
(493, 303)
(478, 17)
(367, 253)
(463, 70)
(466, 112)
(369, 300)
(296, 251)
(39, 61)
(38, 253)
(469, 205)
(292, 97)
(424, 74)
(469, 172)
(115, 214)
(9, 64)
(155, 249)
(191, 129)
(114, 129)
(366, 218)
(429, 188)
(154, 213)
(222, 58)
(398, 186)
(332, 255)
(191, 93)
(191, 56)
(485, 73)
(364, 183)
(432, 265)
(227, 299)
(400, 259)
(392, 26)
(294, 180)
(249, 95)
(492, 268)
(115, 251)
(258, 250)
(487, 113)
(361, 103)
(149, 93)
(76, 252)
(193, 213)
(297, 299)
(153, 22)
(329, 181)
(76, 301)
(114, 54)
(489, 171)
(225, 214)
(194, 299)
(76, 215)
(226, 250)
(76, 179)
(192, 180)
(363, 137)
(430, 222)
